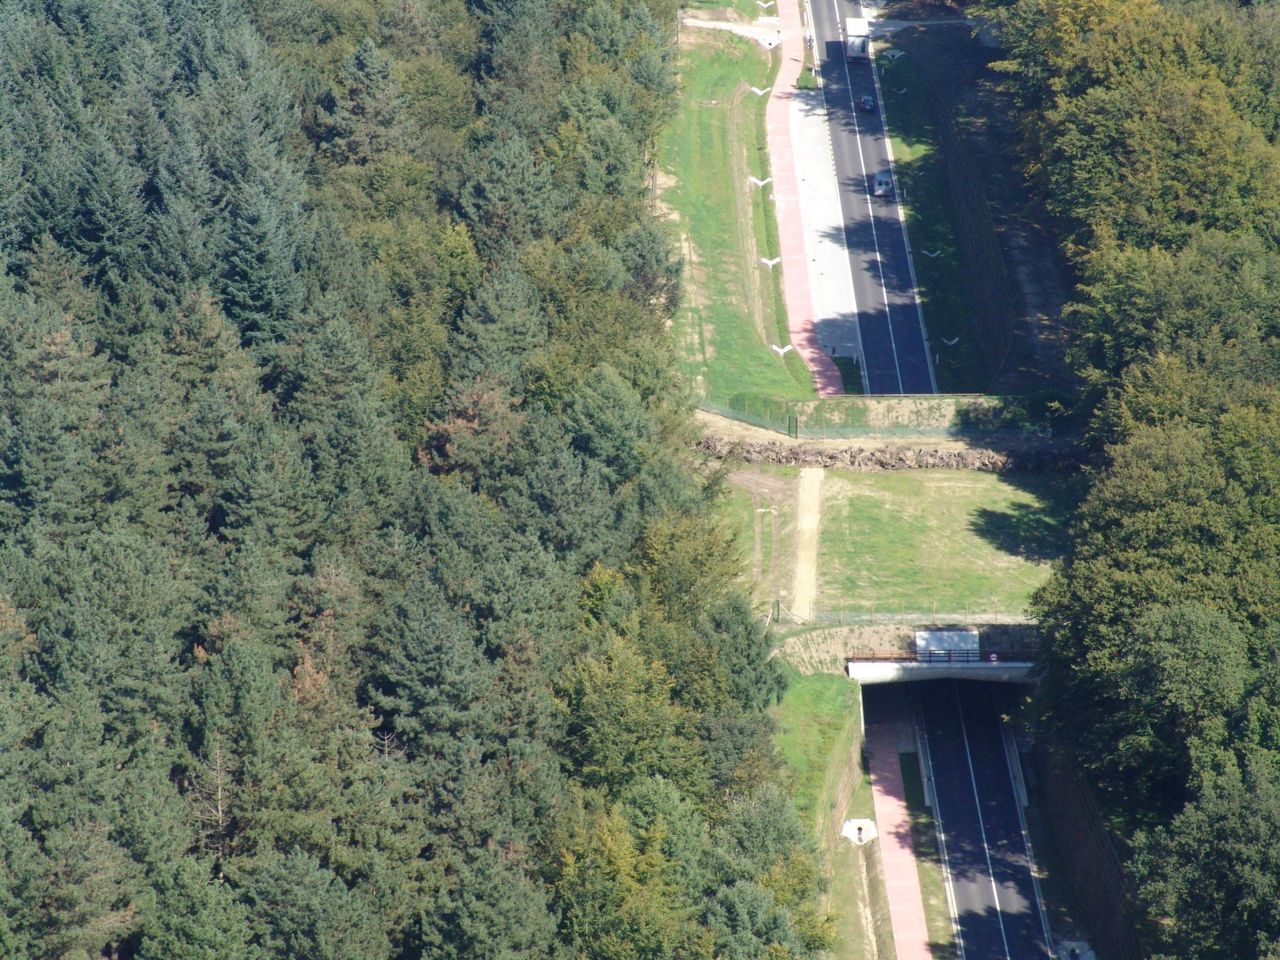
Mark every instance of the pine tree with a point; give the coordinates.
(298, 910)
(261, 289)
(508, 200)
(184, 239)
(499, 328)
(58, 389)
(365, 116)
(196, 918)
(270, 497)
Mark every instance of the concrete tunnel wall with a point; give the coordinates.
(889, 671)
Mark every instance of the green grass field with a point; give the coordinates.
(732, 308)
(818, 736)
(942, 542)
(966, 291)
(746, 8)
(761, 508)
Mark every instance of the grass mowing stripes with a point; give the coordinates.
(938, 541)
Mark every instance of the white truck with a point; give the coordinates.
(857, 38)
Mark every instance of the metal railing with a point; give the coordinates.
(994, 657)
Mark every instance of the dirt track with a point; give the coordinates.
(808, 527)
(729, 439)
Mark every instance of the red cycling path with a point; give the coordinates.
(786, 199)
(893, 821)
(886, 737)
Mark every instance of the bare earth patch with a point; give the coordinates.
(825, 651)
(763, 31)
(808, 526)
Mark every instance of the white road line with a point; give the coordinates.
(1010, 755)
(844, 233)
(982, 827)
(902, 221)
(922, 733)
(857, 136)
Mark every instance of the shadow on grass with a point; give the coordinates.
(1036, 531)
(850, 373)
(1024, 530)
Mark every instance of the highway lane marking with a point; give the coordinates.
(982, 827)
(857, 136)
(844, 234)
(922, 733)
(902, 222)
(1010, 752)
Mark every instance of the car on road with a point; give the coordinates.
(882, 184)
(867, 103)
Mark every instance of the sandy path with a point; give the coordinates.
(767, 33)
(808, 523)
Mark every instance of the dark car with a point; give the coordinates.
(867, 103)
(882, 184)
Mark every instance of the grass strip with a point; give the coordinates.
(967, 293)
(924, 839)
(732, 307)
(818, 734)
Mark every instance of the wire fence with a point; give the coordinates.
(1027, 655)
(923, 416)
(871, 616)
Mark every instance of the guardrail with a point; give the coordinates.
(949, 656)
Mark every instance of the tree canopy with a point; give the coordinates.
(357, 598)
(1149, 131)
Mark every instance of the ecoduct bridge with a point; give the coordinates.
(943, 655)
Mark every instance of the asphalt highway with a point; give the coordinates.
(895, 353)
(987, 858)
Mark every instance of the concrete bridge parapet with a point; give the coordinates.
(900, 671)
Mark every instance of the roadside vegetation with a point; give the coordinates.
(1152, 136)
(967, 292)
(818, 736)
(731, 309)
(741, 10)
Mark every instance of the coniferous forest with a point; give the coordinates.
(357, 600)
